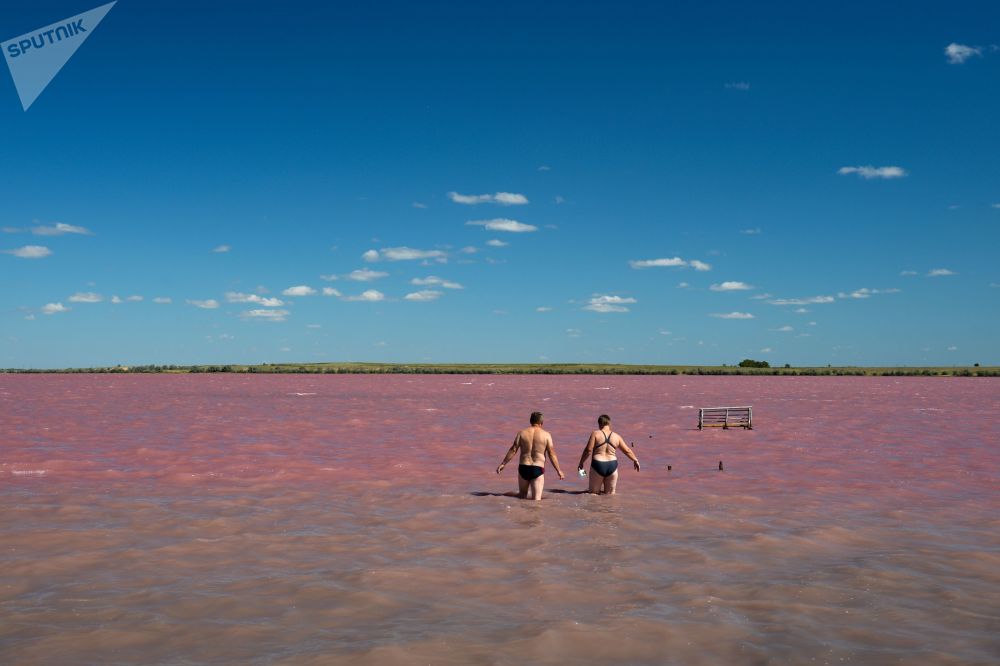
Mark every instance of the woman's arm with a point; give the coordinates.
(628, 454)
(587, 450)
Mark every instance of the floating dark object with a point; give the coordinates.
(725, 417)
(720, 466)
(669, 467)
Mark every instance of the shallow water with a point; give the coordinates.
(358, 519)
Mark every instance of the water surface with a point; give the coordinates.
(358, 519)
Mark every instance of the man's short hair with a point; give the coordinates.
(536, 418)
(603, 420)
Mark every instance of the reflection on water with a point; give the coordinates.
(312, 519)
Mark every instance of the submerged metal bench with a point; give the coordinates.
(725, 417)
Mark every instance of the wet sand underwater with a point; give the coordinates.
(309, 519)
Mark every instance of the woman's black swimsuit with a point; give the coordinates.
(530, 472)
(604, 467)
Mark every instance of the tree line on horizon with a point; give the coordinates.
(745, 367)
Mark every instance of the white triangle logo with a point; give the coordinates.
(36, 57)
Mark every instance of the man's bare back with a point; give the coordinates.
(532, 445)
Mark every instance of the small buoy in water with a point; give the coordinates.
(669, 467)
(720, 466)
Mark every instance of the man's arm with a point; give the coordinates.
(510, 453)
(628, 454)
(587, 450)
(551, 450)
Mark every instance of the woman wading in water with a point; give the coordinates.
(603, 447)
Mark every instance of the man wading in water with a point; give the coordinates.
(535, 445)
(603, 447)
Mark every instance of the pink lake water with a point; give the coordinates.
(309, 519)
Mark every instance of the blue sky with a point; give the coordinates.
(515, 182)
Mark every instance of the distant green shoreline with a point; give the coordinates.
(528, 369)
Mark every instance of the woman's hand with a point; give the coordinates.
(500, 467)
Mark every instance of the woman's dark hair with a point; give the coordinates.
(603, 420)
(536, 418)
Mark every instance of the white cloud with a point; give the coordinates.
(959, 53)
(502, 198)
(221, 249)
(237, 297)
(869, 172)
(801, 311)
(417, 204)
(58, 229)
(669, 262)
(940, 272)
(731, 286)
(329, 278)
(573, 332)
(503, 224)
(657, 263)
(299, 290)
(765, 350)
(133, 299)
(470, 199)
(366, 275)
(683, 285)
(558, 199)
(86, 297)
(30, 252)
(783, 329)
(761, 297)
(369, 295)
(403, 254)
(865, 292)
(493, 242)
(606, 303)
(53, 308)
(423, 295)
(995, 205)
(209, 304)
(738, 85)
(543, 308)
(510, 199)
(907, 273)
(432, 280)
(734, 315)
(751, 232)
(163, 299)
(330, 291)
(811, 300)
(469, 249)
(952, 348)
(545, 167)
(265, 315)
(116, 299)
